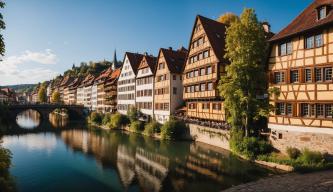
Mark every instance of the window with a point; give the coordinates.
(196, 73)
(200, 56)
(174, 90)
(279, 77)
(174, 77)
(202, 71)
(205, 105)
(312, 110)
(161, 66)
(309, 42)
(206, 54)
(283, 49)
(210, 86)
(286, 49)
(328, 74)
(318, 74)
(305, 109)
(289, 109)
(322, 13)
(328, 110)
(308, 77)
(203, 87)
(289, 48)
(209, 70)
(197, 88)
(320, 110)
(294, 76)
(319, 40)
(280, 110)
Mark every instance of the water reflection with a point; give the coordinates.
(158, 166)
(28, 119)
(57, 120)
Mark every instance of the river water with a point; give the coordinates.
(62, 156)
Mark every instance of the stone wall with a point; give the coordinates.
(211, 136)
(281, 139)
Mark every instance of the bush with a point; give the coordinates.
(117, 120)
(106, 119)
(293, 152)
(136, 126)
(311, 157)
(250, 147)
(132, 113)
(96, 118)
(173, 129)
(151, 128)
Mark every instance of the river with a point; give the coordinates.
(63, 156)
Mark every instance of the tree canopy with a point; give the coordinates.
(42, 97)
(245, 76)
(55, 98)
(228, 18)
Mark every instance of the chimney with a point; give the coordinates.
(170, 48)
(266, 26)
(145, 53)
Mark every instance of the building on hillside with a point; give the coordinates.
(100, 80)
(7, 95)
(110, 88)
(72, 91)
(55, 87)
(49, 91)
(94, 94)
(168, 86)
(126, 82)
(80, 92)
(144, 86)
(300, 68)
(63, 87)
(204, 66)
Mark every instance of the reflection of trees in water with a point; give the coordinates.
(162, 166)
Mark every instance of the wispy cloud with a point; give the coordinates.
(14, 70)
(43, 57)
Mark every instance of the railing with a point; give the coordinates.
(212, 124)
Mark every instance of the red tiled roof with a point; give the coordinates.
(215, 32)
(150, 62)
(75, 83)
(66, 80)
(306, 21)
(104, 74)
(175, 59)
(134, 59)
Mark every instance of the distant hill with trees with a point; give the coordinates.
(22, 87)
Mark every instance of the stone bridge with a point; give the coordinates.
(75, 112)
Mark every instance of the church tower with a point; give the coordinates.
(115, 62)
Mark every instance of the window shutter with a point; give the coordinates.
(271, 77)
(287, 76)
(294, 105)
(301, 75)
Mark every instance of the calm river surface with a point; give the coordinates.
(61, 156)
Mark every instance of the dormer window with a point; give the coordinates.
(322, 12)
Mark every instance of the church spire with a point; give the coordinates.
(115, 62)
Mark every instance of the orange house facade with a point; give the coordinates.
(204, 66)
(300, 70)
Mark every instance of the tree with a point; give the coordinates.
(246, 48)
(55, 97)
(228, 18)
(2, 27)
(42, 97)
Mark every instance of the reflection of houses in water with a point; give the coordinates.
(58, 120)
(92, 144)
(126, 165)
(151, 169)
(203, 160)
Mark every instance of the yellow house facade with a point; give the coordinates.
(300, 72)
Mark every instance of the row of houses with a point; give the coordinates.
(184, 81)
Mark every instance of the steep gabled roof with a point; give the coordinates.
(150, 61)
(104, 74)
(215, 32)
(134, 59)
(175, 59)
(66, 80)
(88, 80)
(306, 21)
(75, 83)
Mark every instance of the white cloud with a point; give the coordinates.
(45, 57)
(14, 69)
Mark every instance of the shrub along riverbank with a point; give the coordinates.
(171, 130)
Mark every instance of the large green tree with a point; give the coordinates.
(42, 97)
(245, 80)
(2, 27)
(228, 18)
(55, 98)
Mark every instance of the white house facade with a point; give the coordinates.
(126, 82)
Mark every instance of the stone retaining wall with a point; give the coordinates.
(316, 141)
(211, 136)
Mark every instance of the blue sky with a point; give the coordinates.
(45, 37)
